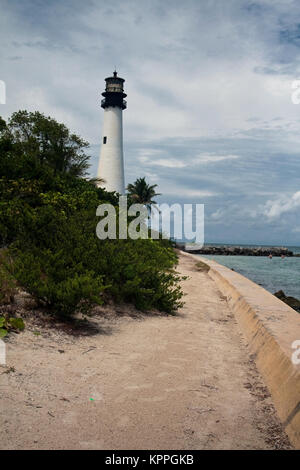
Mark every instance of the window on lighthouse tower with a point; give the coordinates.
(104, 140)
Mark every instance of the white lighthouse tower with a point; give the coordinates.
(111, 162)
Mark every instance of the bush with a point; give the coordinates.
(8, 324)
(8, 286)
(141, 272)
(73, 269)
(55, 282)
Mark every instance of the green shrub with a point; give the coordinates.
(8, 286)
(72, 268)
(141, 272)
(54, 282)
(10, 324)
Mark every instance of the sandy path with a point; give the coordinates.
(184, 382)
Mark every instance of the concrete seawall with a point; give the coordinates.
(270, 327)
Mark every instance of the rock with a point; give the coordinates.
(280, 294)
(237, 250)
(291, 301)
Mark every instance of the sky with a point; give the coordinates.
(210, 116)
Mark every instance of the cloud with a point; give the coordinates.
(190, 193)
(274, 209)
(217, 215)
(214, 158)
(150, 158)
(168, 163)
(209, 116)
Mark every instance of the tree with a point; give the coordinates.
(48, 226)
(142, 193)
(42, 141)
(2, 124)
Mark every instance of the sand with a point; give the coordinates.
(134, 381)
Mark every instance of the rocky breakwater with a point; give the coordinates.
(238, 250)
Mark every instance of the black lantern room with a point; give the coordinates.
(114, 93)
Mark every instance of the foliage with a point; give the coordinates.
(33, 141)
(73, 269)
(142, 193)
(10, 324)
(50, 268)
(48, 222)
(22, 202)
(141, 271)
(7, 284)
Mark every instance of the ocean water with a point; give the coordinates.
(272, 274)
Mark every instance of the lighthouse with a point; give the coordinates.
(111, 161)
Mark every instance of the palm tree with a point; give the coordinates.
(142, 193)
(98, 181)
